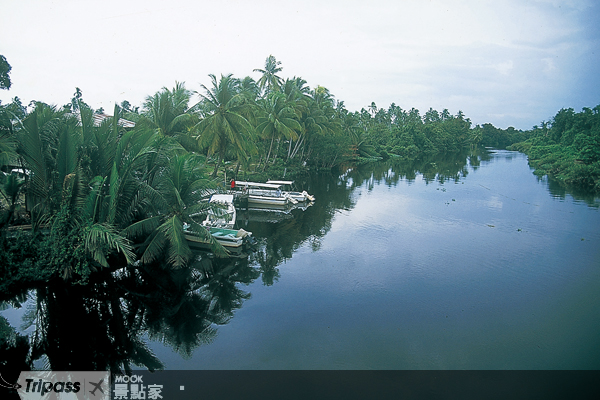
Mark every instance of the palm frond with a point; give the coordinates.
(143, 227)
(100, 239)
(178, 251)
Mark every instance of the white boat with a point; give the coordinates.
(231, 239)
(288, 186)
(221, 217)
(265, 193)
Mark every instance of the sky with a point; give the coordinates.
(504, 62)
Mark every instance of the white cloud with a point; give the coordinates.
(504, 68)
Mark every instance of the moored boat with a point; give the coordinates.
(264, 193)
(231, 239)
(288, 187)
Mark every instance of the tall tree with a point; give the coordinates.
(225, 124)
(168, 112)
(269, 80)
(277, 120)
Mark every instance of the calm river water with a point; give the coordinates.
(457, 263)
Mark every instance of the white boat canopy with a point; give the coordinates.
(258, 185)
(222, 198)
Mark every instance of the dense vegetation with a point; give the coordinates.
(567, 148)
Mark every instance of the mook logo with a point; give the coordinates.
(42, 385)
(133, 387)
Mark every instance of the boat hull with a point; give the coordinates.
(270, 200)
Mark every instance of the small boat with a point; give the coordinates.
(231, 239)
(288, 189)
(264, 193)
(221, 218)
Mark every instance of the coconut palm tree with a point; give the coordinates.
(298, 98)
(7, 140)
(225, 124)
(270, 81)
(169, 113)
(277, 120)
(318, 118)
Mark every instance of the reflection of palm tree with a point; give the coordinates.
(178, 307)
(174, 314)
(68, 331)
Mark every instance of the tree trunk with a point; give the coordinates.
(276, 150)
(217, 165)
(297, 146)
(290, 150)
(269, 153)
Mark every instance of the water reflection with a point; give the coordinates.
(559, 191)
(279, 239)
(104, 325)
(433, 168)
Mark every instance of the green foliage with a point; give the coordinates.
(269, 80)
(225, 124)
(18, 255)
(500, 138)
(65, 249)
(4, 71)
(568, 149)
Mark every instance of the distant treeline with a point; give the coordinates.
(567, 148)
(394, 132)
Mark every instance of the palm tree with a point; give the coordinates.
(269, 79)
(10, 189)
(177, 192)
(58, 194)
(7, 140)
(297, 98)
(38, 138)
(225, 124)
(278, 120)
(249, 89)
(169, 113)
(318, 119)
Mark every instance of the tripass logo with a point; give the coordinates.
(40, 385)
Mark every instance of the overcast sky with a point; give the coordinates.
(507, 62)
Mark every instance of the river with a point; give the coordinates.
(457, 262)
